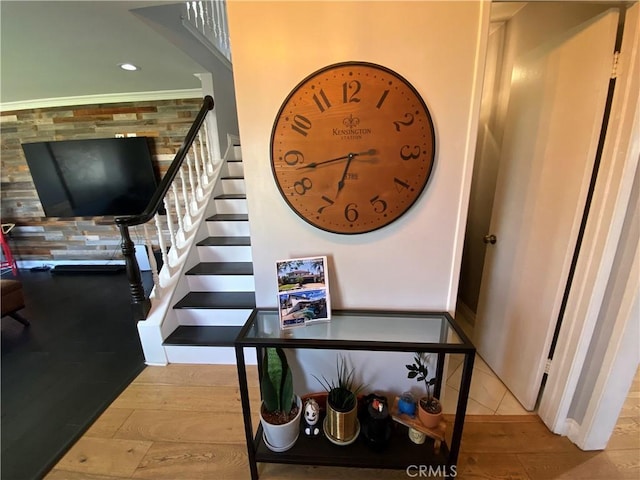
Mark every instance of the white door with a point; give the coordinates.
(557, 97)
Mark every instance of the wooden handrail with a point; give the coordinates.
(139, 301)
(174, 168)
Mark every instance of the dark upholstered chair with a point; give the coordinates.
(12, 300)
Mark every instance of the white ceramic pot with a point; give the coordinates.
(280, 438)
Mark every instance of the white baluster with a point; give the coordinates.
(180, 236)
(194, 202)
(188, 222)
(214, 21)
(189, 11)
(218, 32)
(196, 163)
(163, 248)
(202, 20)
(157, 291)
(173, 251)
(208, 150)
(203, 159)
(194, 5)
(207, 19)
(224, 32)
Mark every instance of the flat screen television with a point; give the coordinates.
(87, 178)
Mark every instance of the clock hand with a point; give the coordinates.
(351, 156)
(371, 151)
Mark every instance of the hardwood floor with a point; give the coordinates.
(184, 422)
(79, 353)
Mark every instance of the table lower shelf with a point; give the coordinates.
(399, 453)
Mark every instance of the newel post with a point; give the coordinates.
(141, 305)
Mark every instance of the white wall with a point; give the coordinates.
(412, 264)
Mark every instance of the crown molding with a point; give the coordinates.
(103, 98)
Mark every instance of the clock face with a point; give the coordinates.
(352, 147)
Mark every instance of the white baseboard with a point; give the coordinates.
(28, 264)
(141, 257)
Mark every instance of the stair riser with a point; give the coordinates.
(228, 229)
(207, 355)
(233, 186)
(221, 283)
(235, 169)
(231, 206)
(218, 317)
(224, 254)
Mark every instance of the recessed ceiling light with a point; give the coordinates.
(130, 67)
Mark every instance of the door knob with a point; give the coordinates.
(489, 239)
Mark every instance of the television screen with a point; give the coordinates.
(81, 178)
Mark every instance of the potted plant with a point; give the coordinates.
(281, 409)
(341, 424)
(429, 407)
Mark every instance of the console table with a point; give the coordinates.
(432, 332)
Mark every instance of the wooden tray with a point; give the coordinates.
(414, 422)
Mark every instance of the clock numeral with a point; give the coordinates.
(409, 153)
(379, 205)
(350, 212)
(322, 101)
(349, 96)
(382, 99)
(302, 186)
(292, 157)
(301, 124)
(408, 121)
(400, 184)
(328, 200)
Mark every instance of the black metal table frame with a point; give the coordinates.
(466, 348)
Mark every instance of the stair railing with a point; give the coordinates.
(181, 194)
(209, 19)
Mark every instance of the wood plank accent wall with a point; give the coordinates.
(39, 238)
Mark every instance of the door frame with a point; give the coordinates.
(594, 271)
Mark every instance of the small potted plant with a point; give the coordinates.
(341, 424)
(281, 409)
(429, 407)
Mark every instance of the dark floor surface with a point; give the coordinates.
(80, 352)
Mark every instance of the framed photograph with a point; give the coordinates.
(303, 291)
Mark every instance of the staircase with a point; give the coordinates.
(204, 292)
(221, 288)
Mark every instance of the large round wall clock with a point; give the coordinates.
(352, 147)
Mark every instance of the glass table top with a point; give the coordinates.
(345, 326)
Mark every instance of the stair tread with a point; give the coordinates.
(215, 300)
(229, 217)
(231, 196)
(203, 336)
(222, 268)
(225, 241)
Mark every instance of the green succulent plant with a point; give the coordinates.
(276, 382)
(343, 391)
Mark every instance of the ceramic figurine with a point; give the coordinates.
(311, 417)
